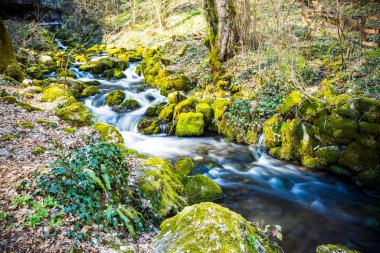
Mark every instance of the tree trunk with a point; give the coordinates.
(220, 17)
(7, 55)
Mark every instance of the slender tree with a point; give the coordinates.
(7, 55)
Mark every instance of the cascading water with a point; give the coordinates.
(312, 207)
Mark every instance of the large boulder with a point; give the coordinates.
(148, 126)
(200, 188)
(115, 97)
(108, 133)
(96, 67)
(76, 114)
(209, 227)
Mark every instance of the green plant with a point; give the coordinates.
(20, 200)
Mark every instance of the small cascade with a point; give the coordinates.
(60, 45)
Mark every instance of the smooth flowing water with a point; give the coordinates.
(312, 207)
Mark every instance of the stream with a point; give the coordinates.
(312, 206)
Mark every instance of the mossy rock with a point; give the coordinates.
(115, 97)
(159, 184)
(290, 102)
(200, 188)
(186, 105)
(80, 58)
(9, 99)
(28, 107)
(6, 49)
(52, 93)
(45, 122)
(15, 71)
(35, 89)
(220, 106)
(35, 72)
(345, 107)
(167, 113)
(223, 85)
(358, 157)
(272, 131)
(208, 227)
(90, 91)
(369, 128)
(108, 133)
(369, 109)
(138, 70)
(76, 115)
(128, 105)
(370, 178)
(65, 73)
(155, 110)
(292, 134)
(334, 129)
(148, 126)
(310, 108)
(190, 124)
(183, 167)
(339, 171)
(330, 248)
(92, 83)
(225, 128)
(177, 83)
(69, 130)
(175, 97)
(38, 151)
(25, 124)
(96, 67)
(328, 155)
(113, 74)
(206, 110)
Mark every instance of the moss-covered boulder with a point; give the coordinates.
(167, 113)
(200, 188)
(28, 107)
(310, 108)
(175, 97)
(115, 97)
(330, 248)
(52, 93)
(369, 108)
(76, 114)
(148, 126)
(272, 131)
(9, 99)
(128, 105)
(220, 106)
(206, 110)
(190, 124)
(15, 71)
(162, 186)
(290, 102)
(186, 105)
(96, 67)
(108, 133)
(370, 178)
(328, 155)
(358, 158)
(208, 227)
(369, 128)
(113, 74)
(177, 83)
(292, 134)
(90, 91)
(35, 72)
(183, 167)
(155, 110)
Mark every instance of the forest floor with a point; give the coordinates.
(44, 132)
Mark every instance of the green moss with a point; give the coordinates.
(175, 97)
(138, 70)
(6, 49)
(208, 227)
(8, 137)
(25, 124)
(28, 107)
(290, 102)
(272, 131)
(9, 99)
(334, 129)
(292, 135)
(369, 109)
(162, 186)
(369, 128)
(38, 151)
(35, 89)
(220, 106)
(370, 178)
(251, 137)
(80, 58)
(35, 72)
(90, 91)
(15, 71)
(358, 157)
(148, 126)
(154, 110)
(330, 248)
(200, 188)
(190, 124)
(61, 72)
(186, 105)
(76, 115)
(167, 113)
(96, 67)
(339, 171)
(52, 93)
(206, 110)
(128, 105)
(328, 155)
(177, 83)
(108, 133)
(310, 108)
(184, 167)
(115, 97)
(182, 51)
(69, 130)
(113, 74)
(45, 122)
(225, 128)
